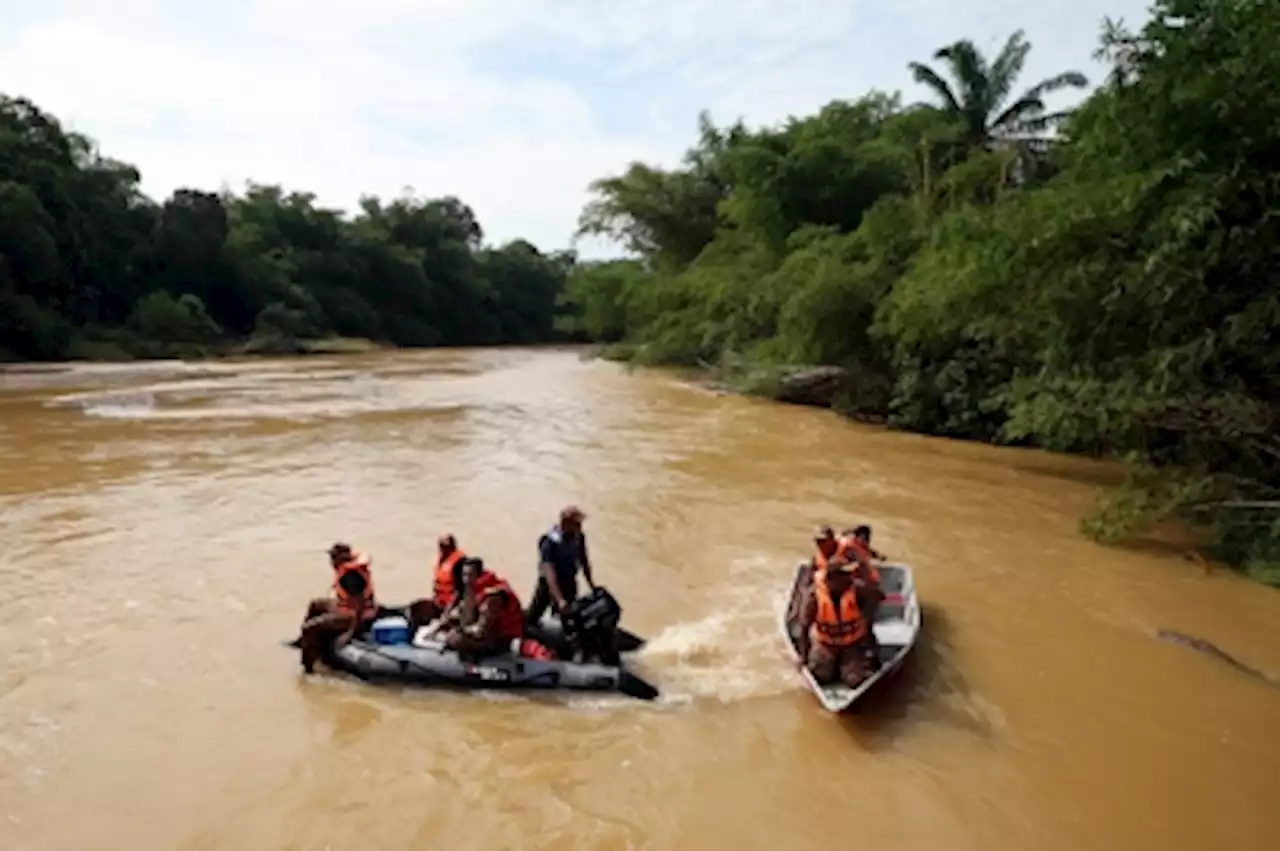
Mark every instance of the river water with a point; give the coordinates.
(163, 526)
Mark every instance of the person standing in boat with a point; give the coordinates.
(562, 552)
(825, 547)
(855, 549)
(852, 546)
(833, 631)
(860, 537)
(848, 545)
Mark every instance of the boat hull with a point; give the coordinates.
(897, 626)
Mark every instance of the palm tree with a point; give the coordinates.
(980, 90)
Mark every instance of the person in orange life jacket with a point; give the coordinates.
(352, 608)
(446, 579)
(862, 535)
(855, 546)
(852, 546)
(855, 549)
(487, 617)
(562, 552)
(341, 556)
(833, 632)
(825, 546)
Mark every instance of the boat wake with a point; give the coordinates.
(729, 656)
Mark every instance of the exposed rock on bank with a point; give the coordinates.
(811, 385)
(848, 392)
(862, 397)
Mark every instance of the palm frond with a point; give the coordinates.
(926, 76)
(969, 69)
(971, 73)
(1006, 68)
(1072, 79)
(1022, 109)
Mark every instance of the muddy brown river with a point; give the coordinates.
(162, 526)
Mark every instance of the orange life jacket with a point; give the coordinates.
(837, 627)
(510, 620)
(850, 548)
(445, 593)
(358, 563)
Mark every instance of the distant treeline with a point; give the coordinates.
(92, 268)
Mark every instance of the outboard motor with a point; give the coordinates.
(591, 626)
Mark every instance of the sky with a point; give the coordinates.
(514, 106)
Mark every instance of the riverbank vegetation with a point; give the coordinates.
(1111, 288)
(92, 268)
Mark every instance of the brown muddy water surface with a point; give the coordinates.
(162, 525)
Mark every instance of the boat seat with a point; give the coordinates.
(892, 581)
(891, 612)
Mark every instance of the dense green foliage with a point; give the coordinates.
(89, 267)
(1112, 290)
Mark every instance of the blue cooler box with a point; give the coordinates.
(391, 630)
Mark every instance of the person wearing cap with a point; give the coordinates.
(562, 552)
(353, 606)
(833, 630)
(825, 547)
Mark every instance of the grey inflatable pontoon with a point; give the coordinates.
(426, 661)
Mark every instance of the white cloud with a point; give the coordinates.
(513, 105)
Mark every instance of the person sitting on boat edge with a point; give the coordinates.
(562, 552)
(446, 579)
(487, 617)
(353, 607)
(833, 631)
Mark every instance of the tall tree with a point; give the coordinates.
(979, 91)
